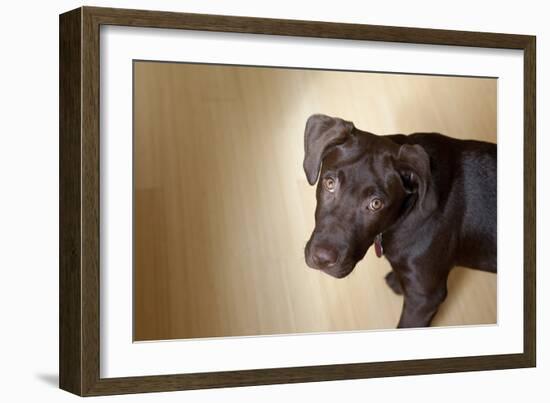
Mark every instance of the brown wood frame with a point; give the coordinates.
(79, 322)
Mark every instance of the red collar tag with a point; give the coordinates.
(378, 245)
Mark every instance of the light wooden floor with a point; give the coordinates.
(223, 209)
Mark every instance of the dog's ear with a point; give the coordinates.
(413, 164)
(322, 132)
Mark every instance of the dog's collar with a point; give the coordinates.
(378, 248)
(378, 245)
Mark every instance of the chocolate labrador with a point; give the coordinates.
(426, 201)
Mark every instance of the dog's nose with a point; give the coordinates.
(324, 256)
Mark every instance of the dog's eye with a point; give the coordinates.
(330, 184)
(375, 204)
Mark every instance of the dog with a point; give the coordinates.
(426, 201)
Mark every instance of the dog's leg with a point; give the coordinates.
(420, 307)
(393, 282)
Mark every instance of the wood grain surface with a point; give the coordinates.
(222, 209)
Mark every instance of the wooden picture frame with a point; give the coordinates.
(79, 200)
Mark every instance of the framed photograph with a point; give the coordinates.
(249, 201)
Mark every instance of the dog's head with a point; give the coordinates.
(364, 184)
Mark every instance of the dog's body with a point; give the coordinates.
(427, 201)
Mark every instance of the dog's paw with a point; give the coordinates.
(393, 283)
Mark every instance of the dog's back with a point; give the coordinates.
(464, 174)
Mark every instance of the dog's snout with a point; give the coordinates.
(324, 256)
